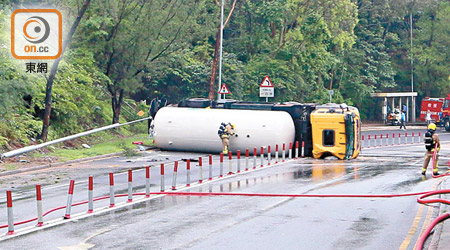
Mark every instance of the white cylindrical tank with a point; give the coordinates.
(195, 129)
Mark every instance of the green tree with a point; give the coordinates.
(432, 51)
(54, 69)
(130, 37)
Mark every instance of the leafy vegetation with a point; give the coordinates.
(126, 52)
(109, 144)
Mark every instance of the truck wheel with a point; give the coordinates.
(447, 124)
(198, 102)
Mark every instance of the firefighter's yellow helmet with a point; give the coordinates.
(432, 126)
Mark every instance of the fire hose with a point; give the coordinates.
(421, 199)
(424, 236)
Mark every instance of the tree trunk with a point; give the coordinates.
(332, 79)
(51, 78)
(216, 51)
(117, 106)
(214, 67)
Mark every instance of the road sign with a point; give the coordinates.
(266, 92)
(224, 89)
(140, 113)
(266, 82)
(266, 88)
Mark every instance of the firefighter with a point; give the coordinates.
(226, 130)
(431, 143)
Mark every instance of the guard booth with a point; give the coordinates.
(398, 99)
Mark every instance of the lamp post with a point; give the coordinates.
(412, 61)
(413, 113)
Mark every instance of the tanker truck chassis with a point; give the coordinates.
(324, 130)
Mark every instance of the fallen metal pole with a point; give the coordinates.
(67, 138)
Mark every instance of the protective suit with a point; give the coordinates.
(226, 130)
(431, 140)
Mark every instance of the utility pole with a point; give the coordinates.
(220, 49)
(413, 113)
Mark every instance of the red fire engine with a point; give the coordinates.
(436, 106)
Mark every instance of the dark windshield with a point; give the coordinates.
(446, 103)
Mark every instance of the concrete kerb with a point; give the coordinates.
(57, 164)
(108, 209)
(441, 236)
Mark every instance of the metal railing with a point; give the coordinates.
(67, 138)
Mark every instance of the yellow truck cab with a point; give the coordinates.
(336, 130)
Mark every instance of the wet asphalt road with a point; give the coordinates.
(224, 222)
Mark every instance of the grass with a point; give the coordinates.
(10, 166)
(112, 145)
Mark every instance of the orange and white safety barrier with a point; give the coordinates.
(254, 158)
(147, 181)
(290, 150)
(269, 156)
(210, 167)
(175, 173)
(40, 217)
(284, 152)
(238, 161)
(246, 159)
(188, 173)
(130, 193)
(69, 199)
(276, 153)
(262, 157)
(130, 185)
(230, 163)
(221, 165)
(397, 139)
(200, 168)
(296, 150)
(10, 212)
(111, 190)
(90, 194)
(303, 149)
(163, 185)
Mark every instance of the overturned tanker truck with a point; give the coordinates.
(192, 125)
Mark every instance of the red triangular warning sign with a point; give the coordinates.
(266, 82)
(224, 89)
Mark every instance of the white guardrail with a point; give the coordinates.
(67, 138)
